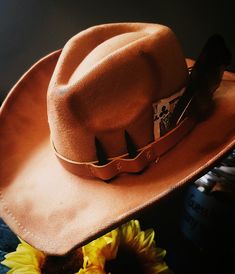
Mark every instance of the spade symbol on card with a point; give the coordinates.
(162, 112)
(164, 117)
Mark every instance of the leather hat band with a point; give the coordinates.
(122, 164)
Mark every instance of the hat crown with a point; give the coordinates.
(105, 83)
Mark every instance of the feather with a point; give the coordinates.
(204, 79)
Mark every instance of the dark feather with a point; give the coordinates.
(204, 79)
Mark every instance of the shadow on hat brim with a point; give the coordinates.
(56, 211)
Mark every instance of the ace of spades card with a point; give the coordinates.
(162, 111)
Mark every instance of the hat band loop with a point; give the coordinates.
(120, 164)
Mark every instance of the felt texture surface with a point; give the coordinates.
(55, 210)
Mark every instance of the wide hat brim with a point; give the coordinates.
(56, 211)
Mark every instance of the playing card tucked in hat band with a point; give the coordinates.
(109, 93)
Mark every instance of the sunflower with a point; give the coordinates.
(25, 259)
(124, 250)
(97, 252)
(28, 260)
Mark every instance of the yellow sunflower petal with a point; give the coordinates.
(100, 250)
(149, 238)
(25, 260)
(23, 270)
(161, 267)
(92, 270)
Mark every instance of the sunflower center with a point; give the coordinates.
(126, 261)
(68, 264)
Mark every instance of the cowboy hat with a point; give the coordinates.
(85, 140)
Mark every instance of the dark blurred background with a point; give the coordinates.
(29, 29)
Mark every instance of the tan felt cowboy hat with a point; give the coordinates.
(108, 151)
